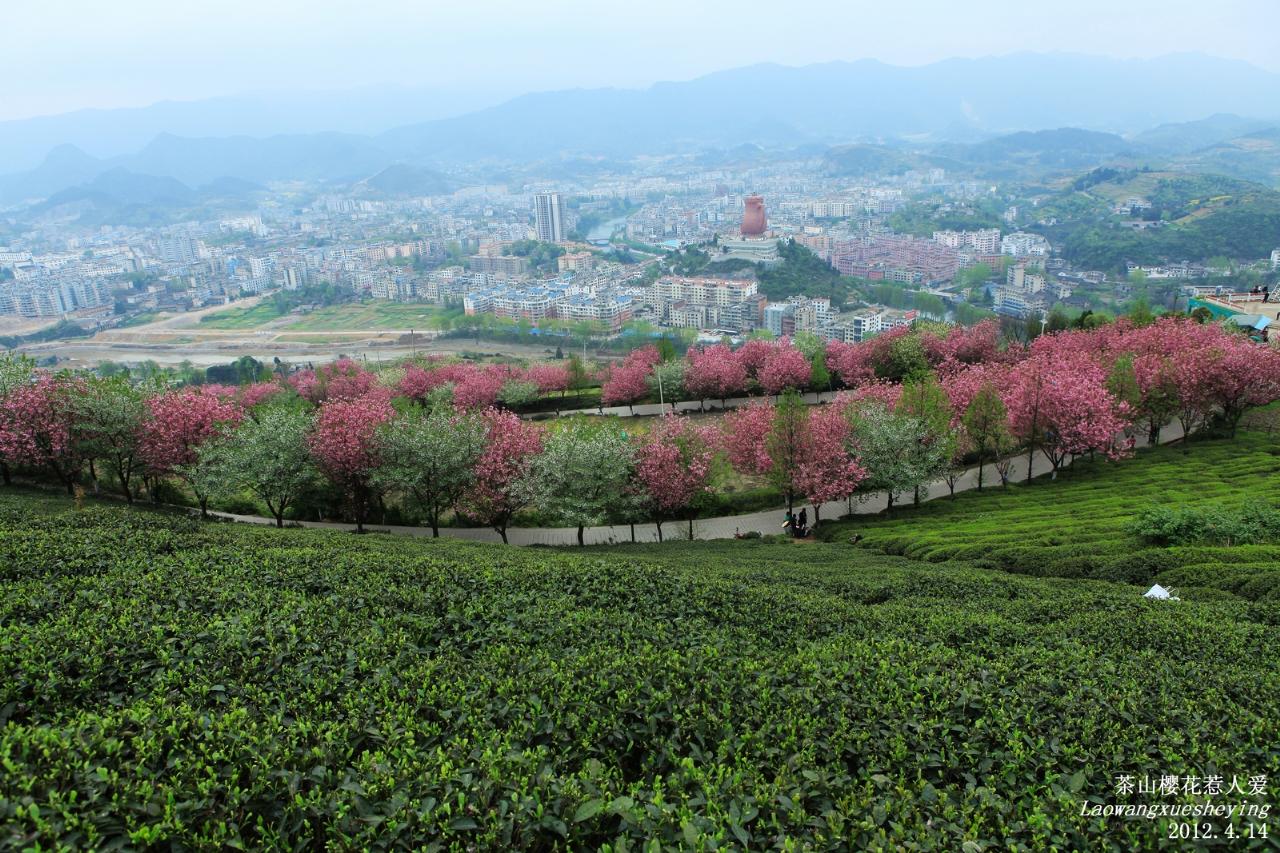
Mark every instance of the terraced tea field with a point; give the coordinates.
(167, 683)
(1080, 526)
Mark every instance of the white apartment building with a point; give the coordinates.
(1021, 244)
(711, 291)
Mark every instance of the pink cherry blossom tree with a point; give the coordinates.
(503, 483)
(37, 427)
(178, 423)
(715, 371)
(786, 367)
(827, 469)
(344, 445)
(673, 468)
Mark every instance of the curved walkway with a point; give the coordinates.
(764, 522)
(650, 409)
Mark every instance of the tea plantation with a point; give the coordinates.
(171, 684)
(1089, 524)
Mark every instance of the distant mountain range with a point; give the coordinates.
(983, 114)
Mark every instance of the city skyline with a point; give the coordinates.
(93, 57)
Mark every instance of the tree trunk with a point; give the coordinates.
(633, 533)
(817, 514)
(691, 530)
(916, 499)
(204, 507)
(889, 506)
(581, 540)
(1031, 456)
(4, 473)
(979, 473)
(658, 524)
(502, 531)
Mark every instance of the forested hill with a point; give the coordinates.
(1192, 218)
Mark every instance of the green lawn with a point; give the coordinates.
(242, 318)
(1080, 525)
(371, 316)
(177, 684)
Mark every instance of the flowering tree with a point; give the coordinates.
(666, 382)
(252, 396)
(752, 356)
(582, 474)
(770, 440)
(429, 457)
(269, 455)
(479, 387)
(108, 415)
(715, 372)
(850, 363)
(827, 469)
(897, 449)
(549, 377)
(927, 404)
(177, 424)
(344, 447)
(503, 482)
(673, 468)
(36, 427)
(344, 379)
(786, 367)
(625, 385)
(1058, 402)
(1025, 398)
(745, 433)
(1157, 402)
(518, 392)
(1239, 375)
(16, 371)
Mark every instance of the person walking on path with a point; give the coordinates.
(803, 527)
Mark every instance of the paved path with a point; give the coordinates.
(650, 409)
(764, 522)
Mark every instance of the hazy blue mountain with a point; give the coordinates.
(119, 196)
(110, 133)
(1185, 137)
(64, 166)
(959, 107)
(312, 156)
(402, 180)
(842, 102)
(1252, 157)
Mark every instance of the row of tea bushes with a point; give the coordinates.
(170, 684)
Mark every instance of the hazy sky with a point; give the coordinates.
(60, 55)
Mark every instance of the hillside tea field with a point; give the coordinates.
(168, 683)
(1084, 524)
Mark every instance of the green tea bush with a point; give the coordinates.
(1249, 525)
(182, 685)
(1132, 522)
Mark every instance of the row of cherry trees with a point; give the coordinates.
(920, 407)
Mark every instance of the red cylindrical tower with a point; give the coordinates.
(753, 219)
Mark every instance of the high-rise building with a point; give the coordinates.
(548, 214)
